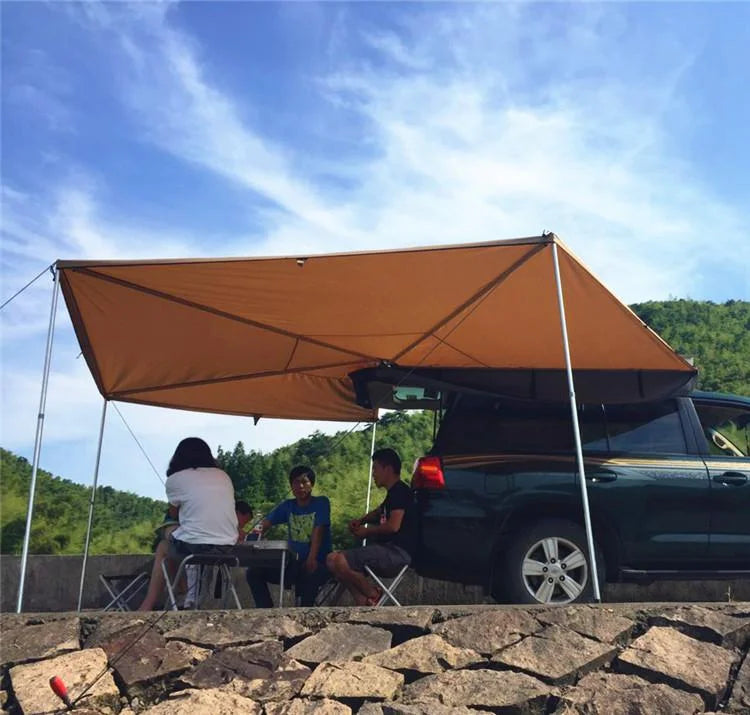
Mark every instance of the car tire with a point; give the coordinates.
(548, 563)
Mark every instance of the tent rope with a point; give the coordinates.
(140, 446)
(50, 268)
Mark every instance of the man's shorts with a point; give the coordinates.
(178, 549)
(384, 559)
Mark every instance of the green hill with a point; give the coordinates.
(717, 336)
(123, 522)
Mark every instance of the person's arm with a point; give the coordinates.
(277, 515)
(399, 499)
(322, 522)
(265, 525)
(174, 498)
(311, 562)
(372, 517)
(390, 526)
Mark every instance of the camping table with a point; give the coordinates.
(261, 554)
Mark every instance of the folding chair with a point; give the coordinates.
(121, 599)
(388, 591)
(330, 593)
(222, 561)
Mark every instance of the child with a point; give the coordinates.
(308, 520)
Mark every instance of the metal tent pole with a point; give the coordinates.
(38, 438)
(369, 468)
(91, 504)
(576, 429)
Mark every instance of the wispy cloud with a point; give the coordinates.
(487, 122)
(465, 123)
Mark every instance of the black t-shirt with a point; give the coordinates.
(399, 496)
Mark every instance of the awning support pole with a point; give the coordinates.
(576, 430)
(38, 438)
(369, 468)
(91, 505)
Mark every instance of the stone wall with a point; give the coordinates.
(635, 658)
(52, 584)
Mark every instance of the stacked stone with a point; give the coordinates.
(578, 659)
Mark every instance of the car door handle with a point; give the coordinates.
(735, 479)
(598, 477)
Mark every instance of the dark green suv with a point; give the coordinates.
(668, 486)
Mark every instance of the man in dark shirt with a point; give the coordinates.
(390, 531)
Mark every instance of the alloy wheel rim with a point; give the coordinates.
(555, 571)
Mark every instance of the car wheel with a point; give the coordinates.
(549, 563)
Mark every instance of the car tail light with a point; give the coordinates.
(428, 474)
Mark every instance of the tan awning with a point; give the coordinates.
(278, 337)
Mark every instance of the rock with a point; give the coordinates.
(195, 654)
(432, 707)
(706, 625)
(77, 669)
(425, 655)
(283, 684)
(503, 691)
(599, 623)
(217, 631)
(215, 702)
(666, 655)
(257, 661)
(299, 706)
(341, 641)
(105, 625)
(23, 643)
(489, 631)
(403, 623)
(556, 654)
(142, 657)
(613, 694)
(353, 680)
(739, 702)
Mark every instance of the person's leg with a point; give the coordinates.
(363, 592)
(258, 579)
(308, 584)
(156, 584)
(192, 576)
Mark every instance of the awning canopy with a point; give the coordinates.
(279, 337)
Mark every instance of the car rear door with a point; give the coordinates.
(725, 427)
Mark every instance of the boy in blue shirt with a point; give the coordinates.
(308, 521)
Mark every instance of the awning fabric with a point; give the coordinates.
(279, 337)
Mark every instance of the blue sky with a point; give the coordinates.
(189, 129)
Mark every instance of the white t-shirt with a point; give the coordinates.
(205, 497)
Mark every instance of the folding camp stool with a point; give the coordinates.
(121, 599)
(222, 561)
(388, 591)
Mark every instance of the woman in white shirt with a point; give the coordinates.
(201, 497)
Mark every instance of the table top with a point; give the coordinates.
(259, 553)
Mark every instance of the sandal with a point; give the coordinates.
(374, 600)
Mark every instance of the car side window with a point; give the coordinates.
(726, 428)
(533, 429)
(648, 428)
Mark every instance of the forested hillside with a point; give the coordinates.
(716, 336)
(124, 523)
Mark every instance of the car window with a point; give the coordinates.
(517, 430)
(648, 428)
(726, 428)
